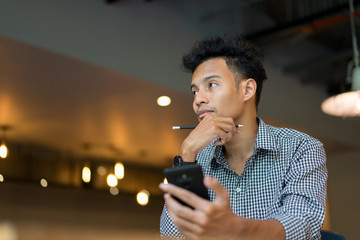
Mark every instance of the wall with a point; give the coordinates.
(344, 193)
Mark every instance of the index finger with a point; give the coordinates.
(188, 197)
(222, 195)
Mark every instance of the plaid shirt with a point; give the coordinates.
(284, 179)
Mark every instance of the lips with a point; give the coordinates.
(202, 113)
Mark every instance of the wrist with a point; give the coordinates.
(178, 162)
(187, 158)
(186, 155)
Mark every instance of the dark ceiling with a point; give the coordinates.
(322, 23)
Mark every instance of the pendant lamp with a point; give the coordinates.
(347, 104)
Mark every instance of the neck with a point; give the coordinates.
(242, 144)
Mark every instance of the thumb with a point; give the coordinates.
(221, 194)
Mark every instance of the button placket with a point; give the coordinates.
(240, 186)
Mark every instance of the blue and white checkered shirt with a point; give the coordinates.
(284, 179)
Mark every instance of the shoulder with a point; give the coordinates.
(292, 137)
(283, 139)
(290, 142)
(300, 147)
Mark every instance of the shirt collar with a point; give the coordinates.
(265, 139)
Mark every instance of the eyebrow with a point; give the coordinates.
(205, 79)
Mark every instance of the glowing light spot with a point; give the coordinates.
(143, 197)
(86, 174)
(1, 178)
(111, 180)
(119, 170)
(101, 170)
(43, 183)
(164, 101)
(114, 191)
(3, 150)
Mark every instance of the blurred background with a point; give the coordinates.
(79, 85)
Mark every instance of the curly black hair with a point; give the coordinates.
(242, 58)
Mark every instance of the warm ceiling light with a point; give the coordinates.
(101, 170)
(86, 174)
(43, 183)
(3, 150)
(114, 191)
(143, 197)
(119, 170)
(164, 101)
(1, 178)
(111, 180)
(347, 104)
(343, 105)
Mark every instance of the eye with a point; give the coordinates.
(194, 92)
(212, 84)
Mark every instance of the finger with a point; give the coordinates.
(226, 124)
(176, 209)
(224, 137)
(226, 131)
(210, 128)
(220, 192)
(186, 227)
(186, 196)
(183, 217)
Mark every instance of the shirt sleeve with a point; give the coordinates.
(168, 229)
(303, 197)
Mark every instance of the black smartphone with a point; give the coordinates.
(189, 177)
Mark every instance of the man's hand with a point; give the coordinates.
(210, 128)
(215, 220)
(208, 220)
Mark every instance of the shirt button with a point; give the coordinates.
(238, 189)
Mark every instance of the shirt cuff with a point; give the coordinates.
(294, 227)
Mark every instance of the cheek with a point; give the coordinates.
(226, 99)
(194, 106)
(230, 104)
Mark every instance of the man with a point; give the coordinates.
(264, 182)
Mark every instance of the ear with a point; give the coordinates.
(249, 88)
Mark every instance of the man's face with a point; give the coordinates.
(215, 91)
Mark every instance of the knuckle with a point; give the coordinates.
(203, 222)
(209, 211)
(213, 123)
(213, 127)
(201, 232)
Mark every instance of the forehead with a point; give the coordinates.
(214, 66)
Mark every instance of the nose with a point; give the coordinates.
(201, 98)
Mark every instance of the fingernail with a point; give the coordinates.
(166, 197)
(163, 186)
